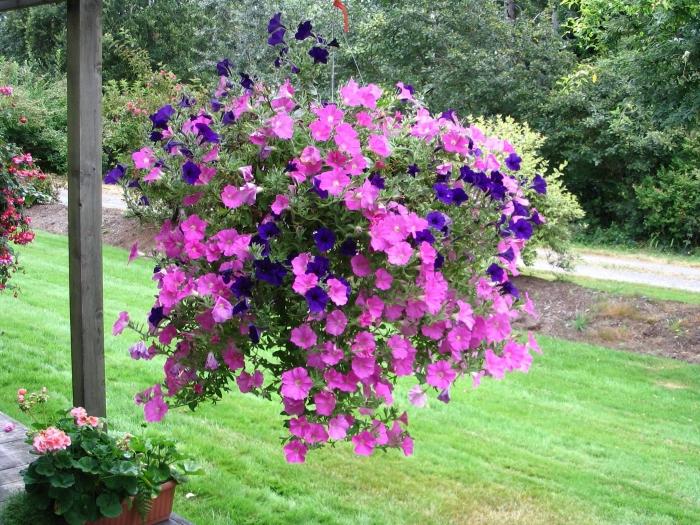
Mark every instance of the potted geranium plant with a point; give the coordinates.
(86, 475)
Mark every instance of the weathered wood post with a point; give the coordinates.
(84, 54)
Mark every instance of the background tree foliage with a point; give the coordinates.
(613, 85)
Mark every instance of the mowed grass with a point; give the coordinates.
(589, 436)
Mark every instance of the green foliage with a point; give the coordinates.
(560, 208)
(670, 205)
(626, 111)
(466, 53)
(35, 117)
(21, 509)
(125, 108)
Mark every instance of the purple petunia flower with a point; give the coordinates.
(277, 37)
(508, 288)
(224, 67)
(539, 184)
(376, 180)
(267, 230)
(228, 118)
(319, 54)
(206, 133)
(190, 172)
(436, 220)
(304, 30)
(425, 236)
(270, 272)
(324, 239)
(522, 229)
(161, 117)
(246, 81)
(348, 247)
(413, 170)
(115, 174)
(320, 266)
(513, 161)
(459, 196)
(242, 287)
(317, 299)
(495, 272)
(187, 102)
(443, 193)
(156, 316)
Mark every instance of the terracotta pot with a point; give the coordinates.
(160, 511)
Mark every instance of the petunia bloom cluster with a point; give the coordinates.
(316, 252)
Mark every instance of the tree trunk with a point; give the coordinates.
(510, 9)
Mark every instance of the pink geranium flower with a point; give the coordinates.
(51, 439)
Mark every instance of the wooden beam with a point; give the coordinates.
(84, 54)
(9, 5)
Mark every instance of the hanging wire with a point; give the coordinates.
(333, 64)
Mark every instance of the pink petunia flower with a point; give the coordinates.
(296, 383)
(144, 158)
(303, 336)
(440, 374)
(295, 451)
(222, 311)
(121, 323)
(336, 322)
(380, 145)
(280, 204)
(325, 403)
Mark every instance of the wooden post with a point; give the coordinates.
(84, 54)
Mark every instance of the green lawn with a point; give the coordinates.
(589, 436)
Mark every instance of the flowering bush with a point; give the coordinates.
(321, 250)
(84, 473)
(16, 170)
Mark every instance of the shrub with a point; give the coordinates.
(558, 205)
(670, 206)
(126, 106)
(35, 119)
(322, 251)
(17, 176)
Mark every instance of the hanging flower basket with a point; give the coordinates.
(161, 509)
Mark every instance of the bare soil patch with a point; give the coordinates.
(117, 230)
(569, 311)
(632, 323)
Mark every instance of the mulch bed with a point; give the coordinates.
(632, 323)
(569, 311)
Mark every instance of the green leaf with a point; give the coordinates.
(62, 479)
(44, 467)
(110, 505)
(125, 468)
(87, 464)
